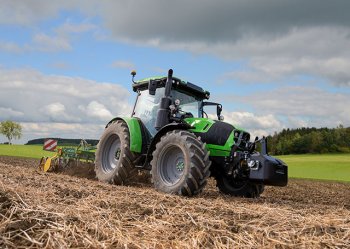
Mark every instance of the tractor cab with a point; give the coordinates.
(155, 95)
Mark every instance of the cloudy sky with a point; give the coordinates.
(65, 65)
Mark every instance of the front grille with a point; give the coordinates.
(244, 139)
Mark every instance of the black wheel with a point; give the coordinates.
(242, 188)
(180, 164)
(113, 163)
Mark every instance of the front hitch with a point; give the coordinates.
(266, 169)
(255, 166)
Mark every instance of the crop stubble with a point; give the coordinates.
(60, 210)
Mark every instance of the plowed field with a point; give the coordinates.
(71, 209)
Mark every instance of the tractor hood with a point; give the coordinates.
(218, 136)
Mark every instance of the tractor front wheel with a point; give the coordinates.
(113, 163)
(180, 164)
(242, 188)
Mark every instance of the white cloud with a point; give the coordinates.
(314, 51)
(274, 46)
(32, 11)
(7, 113)
(61, 65)
(72, 28)
(292, 107)
(54, 109)
(10, 47)
(57, 112)
(248, 119)
(43, 42)
(59, 39)
(303, 101)
(30, 96)
(334, 70)
(96, 110)
(257, 125)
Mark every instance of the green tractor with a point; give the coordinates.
(170, 135)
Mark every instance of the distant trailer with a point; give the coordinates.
(50, 144)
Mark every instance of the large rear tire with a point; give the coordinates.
(113, 162)
(245, 188)
(180, 164)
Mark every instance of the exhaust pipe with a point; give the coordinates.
(163, 114)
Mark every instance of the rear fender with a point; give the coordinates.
(134, 132)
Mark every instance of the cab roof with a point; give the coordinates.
(177, 83)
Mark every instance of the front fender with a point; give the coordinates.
(134, 132)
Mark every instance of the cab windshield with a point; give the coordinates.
(188, 103)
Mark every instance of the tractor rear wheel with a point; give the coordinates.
(180, 164)
(113, 162)
(242, 188)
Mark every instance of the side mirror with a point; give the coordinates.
(152, 87)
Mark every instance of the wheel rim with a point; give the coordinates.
(111, 153)
(172, 165)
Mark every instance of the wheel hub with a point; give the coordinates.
(171, 165)
(180, 165)
(117, 154)
(112, 153)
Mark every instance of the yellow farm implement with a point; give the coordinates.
(67, 155)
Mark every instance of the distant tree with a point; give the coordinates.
(310, 140)
(11, 130)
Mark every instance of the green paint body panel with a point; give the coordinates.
(202, 125)
(224, 150)
(135, 133)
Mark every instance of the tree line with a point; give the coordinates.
(310, 140)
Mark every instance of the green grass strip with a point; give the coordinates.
(32, 151)
(319, 166)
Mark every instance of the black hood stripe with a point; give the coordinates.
(217, 134)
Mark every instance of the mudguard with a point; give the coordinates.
(134, 131)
